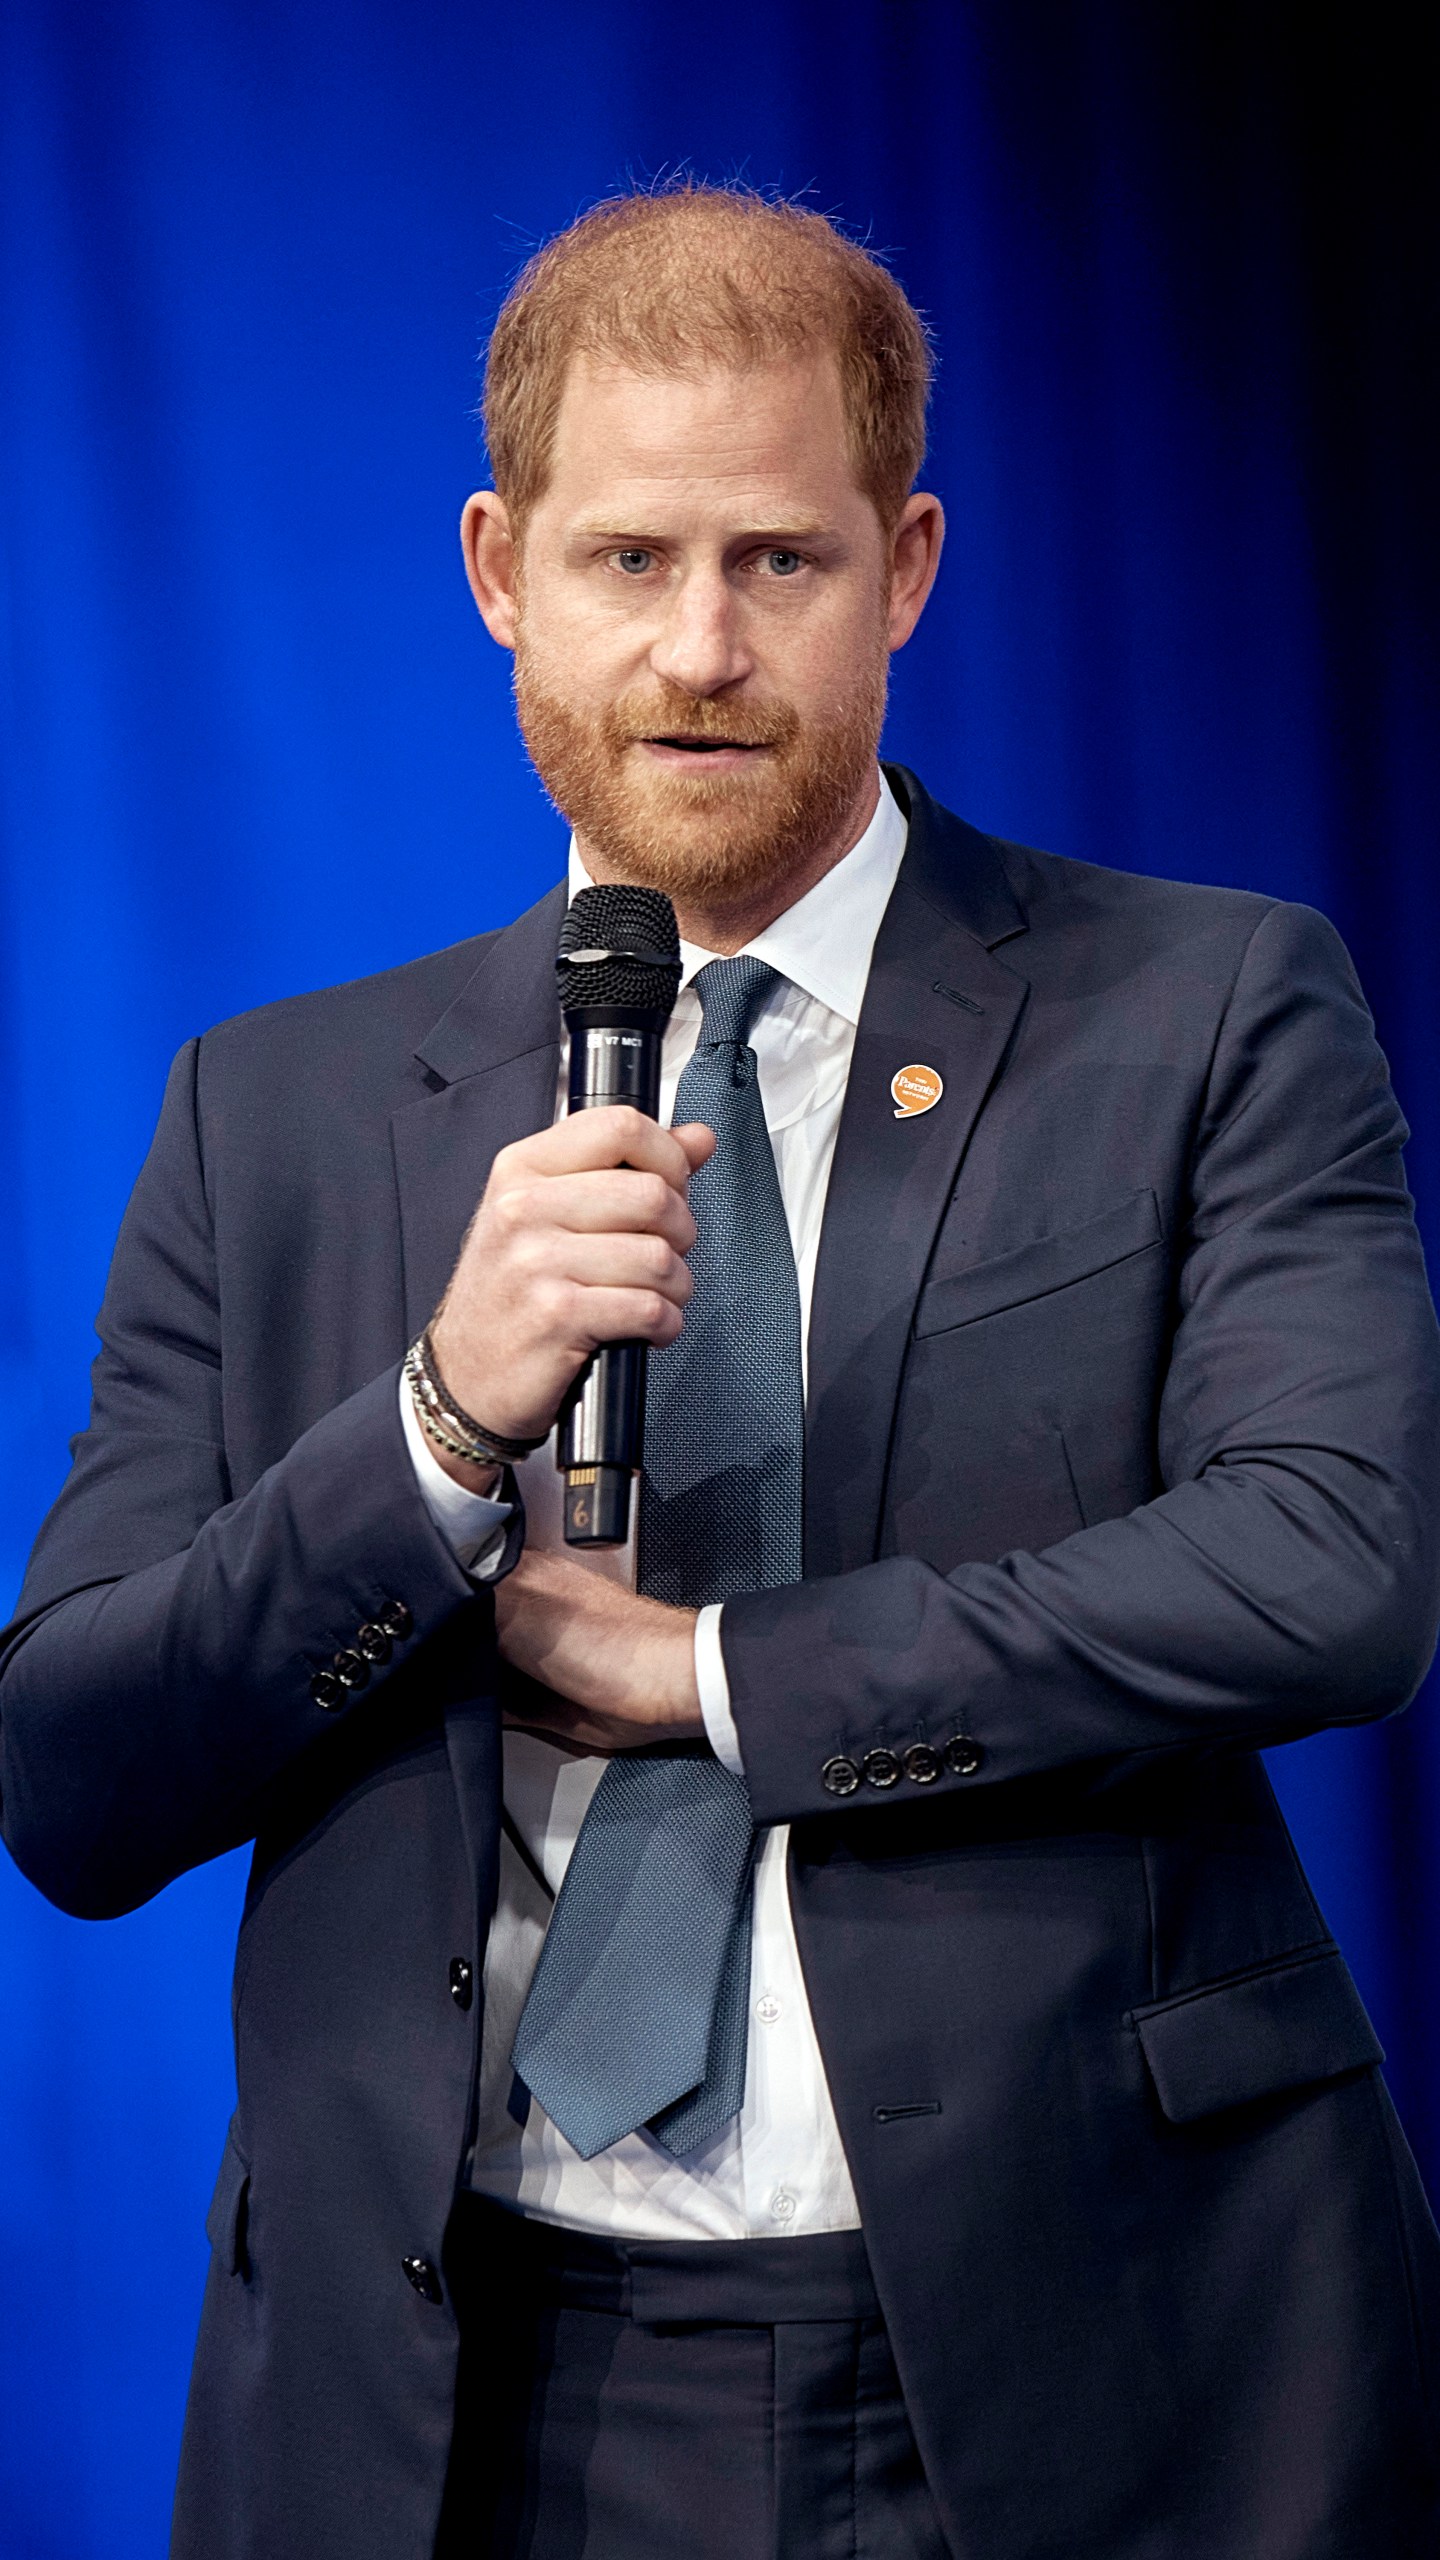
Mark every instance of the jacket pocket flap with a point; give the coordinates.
(226, 2219)
(1230, 2042)
(1033, 1270)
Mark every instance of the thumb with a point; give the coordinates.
(698, 1141)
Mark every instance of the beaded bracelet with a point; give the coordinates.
(447, 1423)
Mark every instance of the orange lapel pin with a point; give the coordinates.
(915, 1089)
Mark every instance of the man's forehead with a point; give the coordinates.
(770, 437)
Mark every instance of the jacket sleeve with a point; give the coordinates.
(1286, 1577)
(160, 1676)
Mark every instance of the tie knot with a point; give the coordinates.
(731, 993)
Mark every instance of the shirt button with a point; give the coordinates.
(767, 2008)
(784, 2206)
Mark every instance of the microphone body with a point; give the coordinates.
(618, 945)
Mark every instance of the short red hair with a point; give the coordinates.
(687, 275)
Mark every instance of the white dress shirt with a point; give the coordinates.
(779, 2166)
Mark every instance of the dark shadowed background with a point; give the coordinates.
(1181, 268)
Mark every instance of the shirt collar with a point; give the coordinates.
(823, 943)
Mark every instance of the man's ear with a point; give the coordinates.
(489, 548)
(916, 557)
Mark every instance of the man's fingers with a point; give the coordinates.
(698, 1141)
(614, 1134)
(612, 1201)
(580, 1239)
(628, 1315)
(575, 1728)
(611, 1261)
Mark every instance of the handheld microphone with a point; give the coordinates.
(619, 972)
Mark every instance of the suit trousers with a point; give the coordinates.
(707, 2400)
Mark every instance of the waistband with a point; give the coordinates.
(823, 2275)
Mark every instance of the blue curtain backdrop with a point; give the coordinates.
(1180, 264)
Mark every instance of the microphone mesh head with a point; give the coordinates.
(619, 946)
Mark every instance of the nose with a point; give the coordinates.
(701, 645)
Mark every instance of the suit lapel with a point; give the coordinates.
(935, 997)
(492, 1061)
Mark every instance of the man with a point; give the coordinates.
(1031, 2190)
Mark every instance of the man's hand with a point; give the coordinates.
(622, 1667)
(580, 1239)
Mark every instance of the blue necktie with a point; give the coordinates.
(637, 2014)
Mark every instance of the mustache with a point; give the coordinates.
(667, 711)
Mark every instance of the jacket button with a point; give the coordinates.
(351, 1669)
(327, 1691)
(840, 1776)
(396, 1620)
(373, 1642)
(881, 1768)
(462, 1981)
(420, 2273)
(962, 1755)
(922, 1764)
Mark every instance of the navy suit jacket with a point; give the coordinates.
(1122, 1461)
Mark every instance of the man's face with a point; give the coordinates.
(702, 625)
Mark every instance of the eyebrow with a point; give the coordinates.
(749, 533)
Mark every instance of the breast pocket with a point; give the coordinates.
(1037, 1270)
(1030, 1390)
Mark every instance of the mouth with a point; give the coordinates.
(674, 745)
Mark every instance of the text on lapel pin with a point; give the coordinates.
(913, 1090)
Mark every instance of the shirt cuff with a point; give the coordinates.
(472, 1524)
(714, 1688)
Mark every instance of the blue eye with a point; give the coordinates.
(634, 563)
(783, 564)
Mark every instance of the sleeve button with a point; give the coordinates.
(327, 1691)
(420, 2273)
(921, 1764)
(396, 1620)
(963, 1756)
(462, 1981)
(840, 1777)
(350, 1669)
(881, 1768)
(373, 1642)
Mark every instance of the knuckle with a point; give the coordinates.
(529, 1249)
(512, 1169)
(552, 1303)
(616, 1123)
(510, 1206)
